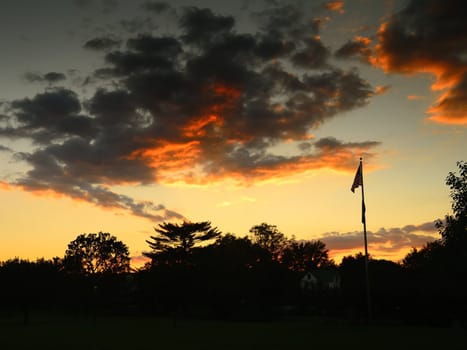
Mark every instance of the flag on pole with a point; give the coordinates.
(358, 181)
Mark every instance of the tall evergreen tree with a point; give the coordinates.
(174, 243)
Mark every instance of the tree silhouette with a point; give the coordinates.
(175, 242)
(450, 251)
(453, 230)
(425, 258)
(458, 186)
(444, 258)
(305, 256)
(27, 284)
(268, 237)
(96, 254)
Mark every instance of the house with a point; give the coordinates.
(308, 282)
(321, 279)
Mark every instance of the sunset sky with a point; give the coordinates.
(118, 115)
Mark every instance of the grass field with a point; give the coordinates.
(150, 333)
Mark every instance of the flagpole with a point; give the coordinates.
(367, 278)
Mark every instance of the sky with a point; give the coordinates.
(116, 116)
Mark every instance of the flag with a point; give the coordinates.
(358, 181)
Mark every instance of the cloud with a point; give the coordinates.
(5, 186)
(102, 43)
(50, 78)
(415, 97)
(51, 178)
(138, 24)
(430, 37)
(48, 116)
(384, 240)
(157, 6)
(207, 104)
(104, 6)
(82, 3)
(5, 149)
(381, 89)
(313, 55)
(359, 47)
(336, 6)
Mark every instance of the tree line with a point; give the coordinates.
(195, 270)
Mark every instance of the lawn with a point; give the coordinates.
(136, 333)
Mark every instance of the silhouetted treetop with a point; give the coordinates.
(174, 242)
(458, 186)
(306, 255)
(268, 237)
(453, 230)
(97, 253)
(448, 253)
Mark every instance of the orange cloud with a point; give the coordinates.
(336, 6)
(225, 90)
(329, 153)
(415, 97)
(381, 90)
(358, 47)
(165, 156)
(197, 127)
(451, 107)
(363, 40)
(406, 46)
(37, 192)
(5, 186)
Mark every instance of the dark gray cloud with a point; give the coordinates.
(390, 240)
(5, 149)
(208, 104)
(333, 144)
(284, 20)
(78, 181)
(50, 77)
(358, 47)
(313, 55)
(83, 3)
(103, 43)
(104, 6)
(51, 115)
(138, 25)
(202, 26)
(157, 6)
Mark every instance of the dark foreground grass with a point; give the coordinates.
(134, 333)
